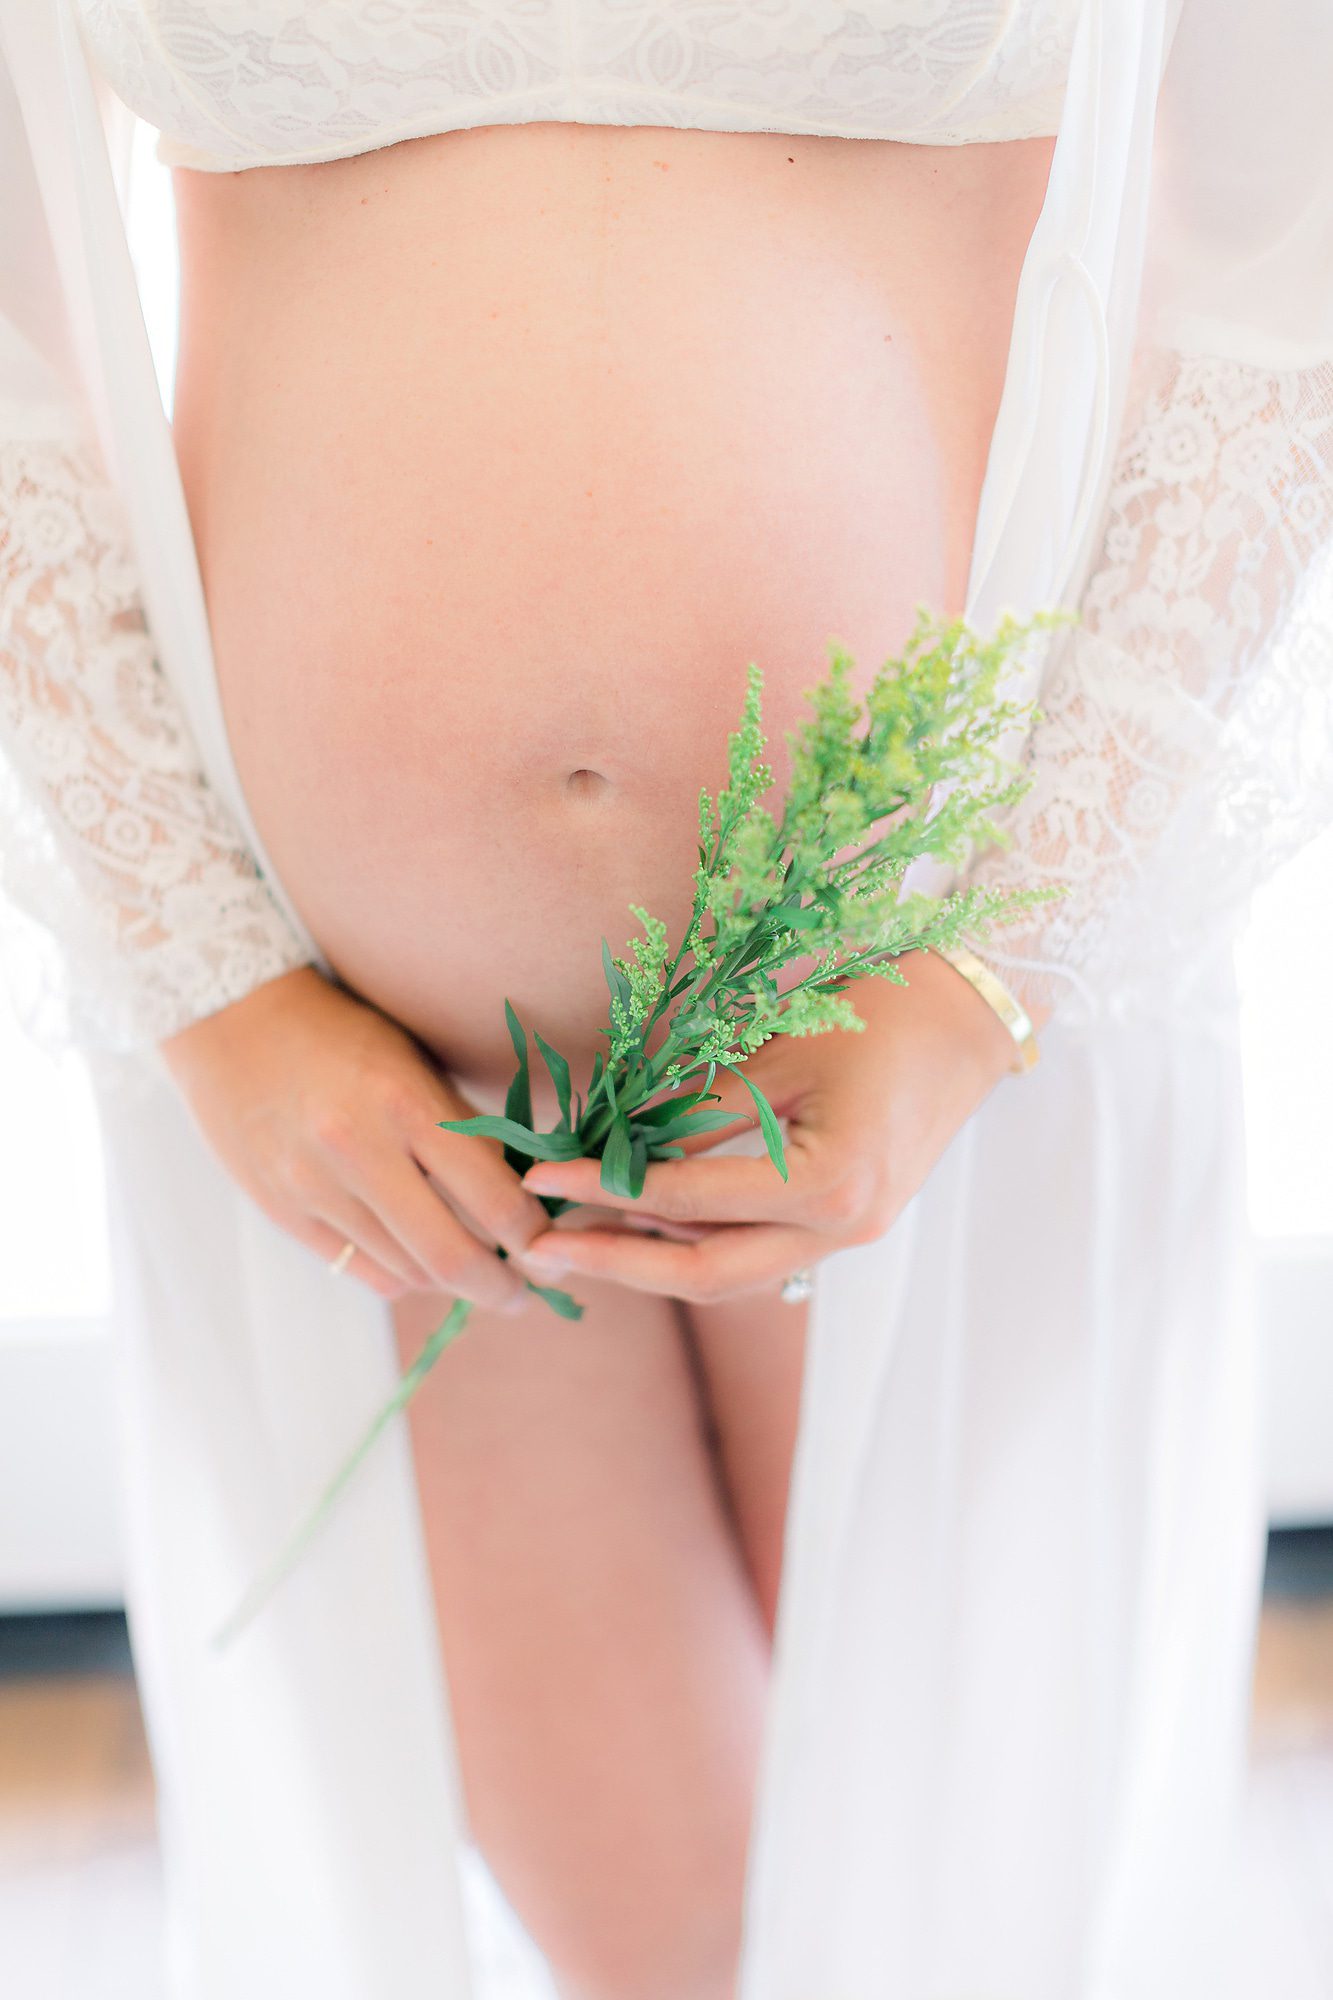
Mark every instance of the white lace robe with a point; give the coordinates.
(1025, 1531)
(1186, 745)
(152, 909)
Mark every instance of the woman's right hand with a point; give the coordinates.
(326, 1112)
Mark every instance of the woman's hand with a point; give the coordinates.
(325, 1111)
(868, 1115)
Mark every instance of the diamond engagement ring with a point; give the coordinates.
(344, 1257)
(798, 1288)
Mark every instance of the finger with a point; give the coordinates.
(326, 1243)
(700, 1189)
(474, 1174)
(354, 1222)
(727, 1262)
(585, 1216)
(397, 1190)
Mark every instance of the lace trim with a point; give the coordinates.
(135, 905)
(1187, 745)
(238, 83)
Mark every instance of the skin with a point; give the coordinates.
(926, 1060)
(727, 396)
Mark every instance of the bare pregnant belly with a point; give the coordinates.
(507, 450)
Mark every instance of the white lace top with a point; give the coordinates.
(1187, 739)
(244, 83)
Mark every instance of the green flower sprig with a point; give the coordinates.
(911, 770)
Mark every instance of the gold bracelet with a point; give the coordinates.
(998, 997)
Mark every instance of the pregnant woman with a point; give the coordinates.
(538, 369)
(584, 417)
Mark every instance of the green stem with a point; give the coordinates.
(667, 993)
(592, 1135)
(287, 1557)
(633, 1094)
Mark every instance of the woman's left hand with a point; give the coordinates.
(868, 1115)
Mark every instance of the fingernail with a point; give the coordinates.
(539, 1181)
(539, 1264)
(519, 1303)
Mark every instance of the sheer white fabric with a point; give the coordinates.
(243, 83)
(1025, 1533)
(131, 898)
(122, 857)
(1186, 745)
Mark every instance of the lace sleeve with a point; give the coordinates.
(132, 905)
(1186, 745)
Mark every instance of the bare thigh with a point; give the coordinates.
(750, 1355)
(606, 1654)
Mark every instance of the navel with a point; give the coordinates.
(587, 786)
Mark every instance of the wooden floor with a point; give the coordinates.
(1285, 1943)
(79, 1895)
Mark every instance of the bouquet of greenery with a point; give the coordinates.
(913, 769)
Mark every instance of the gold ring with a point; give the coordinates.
(343, 1259)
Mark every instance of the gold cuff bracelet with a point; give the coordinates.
(998, 997)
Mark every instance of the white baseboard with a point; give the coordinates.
(1296, 1303)
(59, 1525)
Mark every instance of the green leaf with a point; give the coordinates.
(559, 1302)
(615, 978)
(804, 917)
(768, 1123)
(615, 1159)
(638, 1164)
(518, 1097)
(558, 1070)
(519, 1138)
(517, 1034)
(691, 1122)
(669, 1109)
(598, 1065)
(656, 1152)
